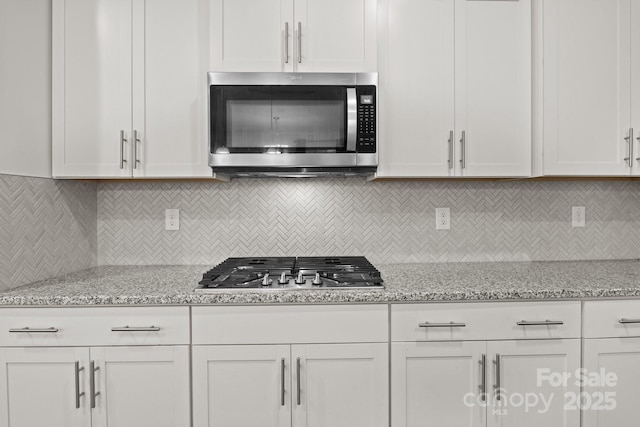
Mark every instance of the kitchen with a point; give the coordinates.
(63, 226)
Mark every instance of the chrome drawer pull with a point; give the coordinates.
(497, 386)
(282, 385)
(92, 384)
(298, 381)
(540, 323)
(135, 329)
(629, 321)
(442, 325)
(483, 384)
(78, 393)
(34, 330)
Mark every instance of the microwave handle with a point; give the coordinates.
(352, 119)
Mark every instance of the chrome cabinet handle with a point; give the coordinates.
(122, 141)
(136, 140)
(629, 140)
(135, 329)
(29, 330)
(92, 384)
(450, 150)
(628, 321)
(483, 380)
(282, 367)
(442, 325)
(497, 386)
(298, 380)
(299, 42)
(540, 323)
(286, 42)
(638, 139)
(78, 394)
(463, 146)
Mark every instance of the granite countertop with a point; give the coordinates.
(171, 285)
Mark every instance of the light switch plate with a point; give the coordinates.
(578, 216)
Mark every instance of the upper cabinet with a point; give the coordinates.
(455, 88)
(591, 79)
(129, 88)
(293, 35)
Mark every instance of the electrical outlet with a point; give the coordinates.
(578, 216)
(442, 219)
(172, 219)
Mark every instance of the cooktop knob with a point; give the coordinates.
(266, 281)
(283, 279)
(316, 280)
(300, 279)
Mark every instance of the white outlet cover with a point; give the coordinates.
(443, 219)
(172, 219)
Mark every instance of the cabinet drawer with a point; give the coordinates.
(290, 324)
(485, 321)
(604, 319)
(94, 326)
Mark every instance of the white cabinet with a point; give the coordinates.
(525, 372)
(483, 364)
(78, 384)
(247, 385)
(293, 35)
(455, 88)
(340, 385)
(591, 84)
(430, 380)
(614, 403)
(305, 373)
(611, 354)
(129, 88)
(38, 388)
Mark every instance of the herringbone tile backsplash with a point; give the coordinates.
(389, 222)
(48, 228)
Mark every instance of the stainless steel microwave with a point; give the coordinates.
(293, 124)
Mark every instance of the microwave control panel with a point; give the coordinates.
(366, 140)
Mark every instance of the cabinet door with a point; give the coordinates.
(493, 87)
(38, 387)
(635, 83)
(522, 395)
(141, 386)
(170, 62)
(91, 88)
(340, 385)
(249, 35)
(440, 382)
(245, 386)
(417, 89)
(335, 35)
(617, 403)
(586, 86)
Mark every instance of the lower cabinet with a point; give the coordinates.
(282, 385)
(449, 366)
(95, 367)
(311, 366)
(129, 386)
(501, 383)
(611, 362)
(38, 388)
(613, 399)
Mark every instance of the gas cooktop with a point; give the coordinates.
(292, 273)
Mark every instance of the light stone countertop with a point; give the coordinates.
(174, 285)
